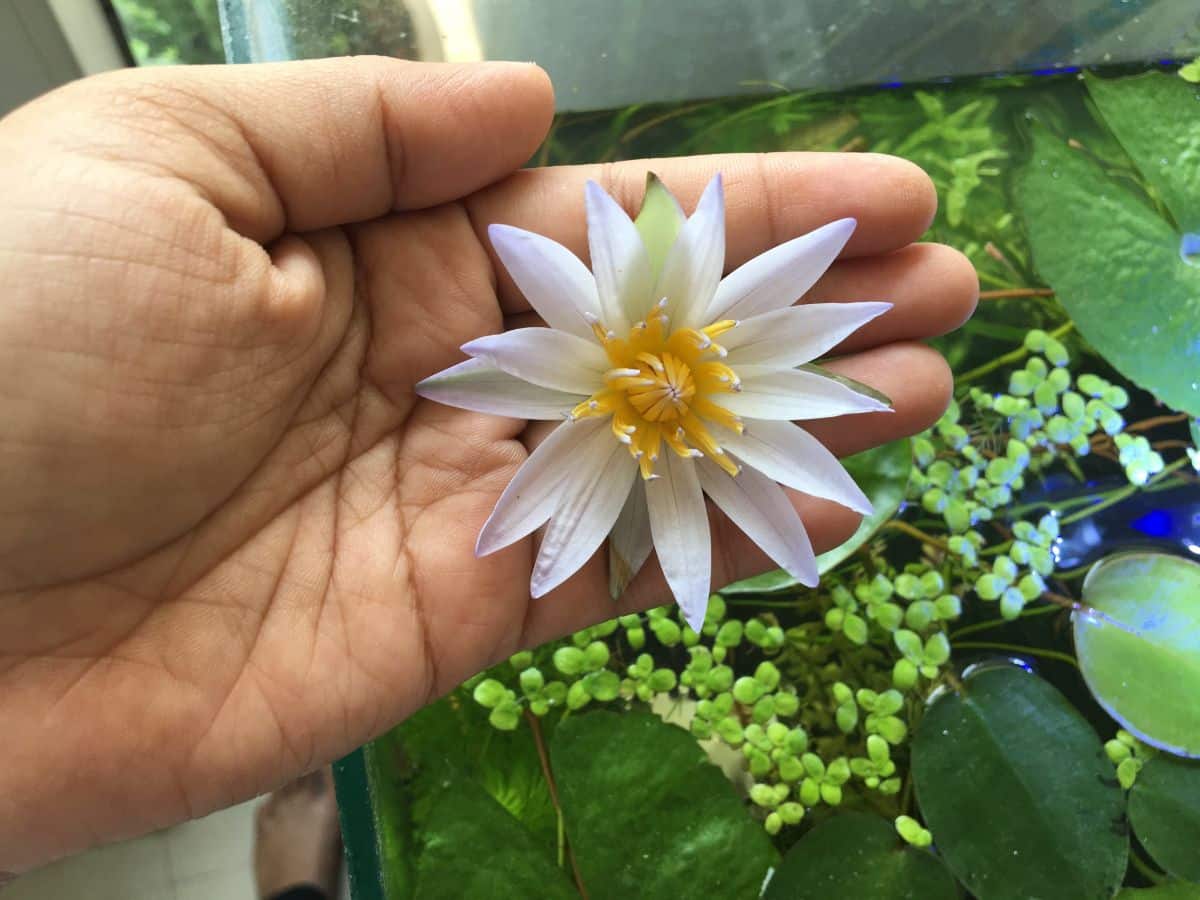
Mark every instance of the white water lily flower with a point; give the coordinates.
(672, 383)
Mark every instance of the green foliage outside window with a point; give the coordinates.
(171, 31)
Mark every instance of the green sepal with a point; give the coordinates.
(658, 222)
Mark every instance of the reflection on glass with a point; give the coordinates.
(603, 54)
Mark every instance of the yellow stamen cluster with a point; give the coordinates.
(660, 390)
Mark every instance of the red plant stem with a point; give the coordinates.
(536, 727)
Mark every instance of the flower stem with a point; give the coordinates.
(1011, 357)
(544, 758)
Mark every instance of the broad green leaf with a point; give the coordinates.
(1172, 890)
(472, 847)
(1140, 649)
(1115, 265)
(1156, 117)
(455, 732)
(1017, 791)
(658, 222)
(649, 816)
(1164, 810)
(882, 473)
(857, 854)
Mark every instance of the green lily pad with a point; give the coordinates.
(1139, 650)
(1164, 810)
(1172, 890)
(857, 854)
(465, 828)
(454, 734)
(647, 813)
(1116, 267)
(882, 473)
(1018, 793)
(1156, 117)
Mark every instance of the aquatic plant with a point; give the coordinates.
(994, 686)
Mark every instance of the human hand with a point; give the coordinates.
(234, 542)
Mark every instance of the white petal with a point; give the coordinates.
(781, 276)
(544, 356)
(619, 261)
(694, 263)
(679, 523)
(589, 501)
(790, 455)
(794, 335)
(554, 280)
(758, 506)
(531, 496)
(630, 542)
(478, 385)
(795, 394)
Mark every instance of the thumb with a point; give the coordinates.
(304, 145)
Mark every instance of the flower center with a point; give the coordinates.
(662, 387)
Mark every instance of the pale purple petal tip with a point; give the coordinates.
(695, 617)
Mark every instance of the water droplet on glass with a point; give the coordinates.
(936, 694)
(1189, 249)
(997, 662)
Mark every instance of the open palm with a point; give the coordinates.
(234, 543)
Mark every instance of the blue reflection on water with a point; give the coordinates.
(1057, 70)
(1156, 523)
(1169, 519)
(1189, 248)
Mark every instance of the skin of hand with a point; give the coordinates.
(233, 543)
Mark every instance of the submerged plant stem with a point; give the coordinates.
(1120, 494)
(997, 623)
(1151, 874)
(914, 532)
(544, 758)
(1008, 358)
(759, 604)
(1017, 648)
(1155, 421)
(1016, 292)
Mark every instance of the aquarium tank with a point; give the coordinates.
(995, 690)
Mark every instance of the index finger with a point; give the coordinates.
(770, 198)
